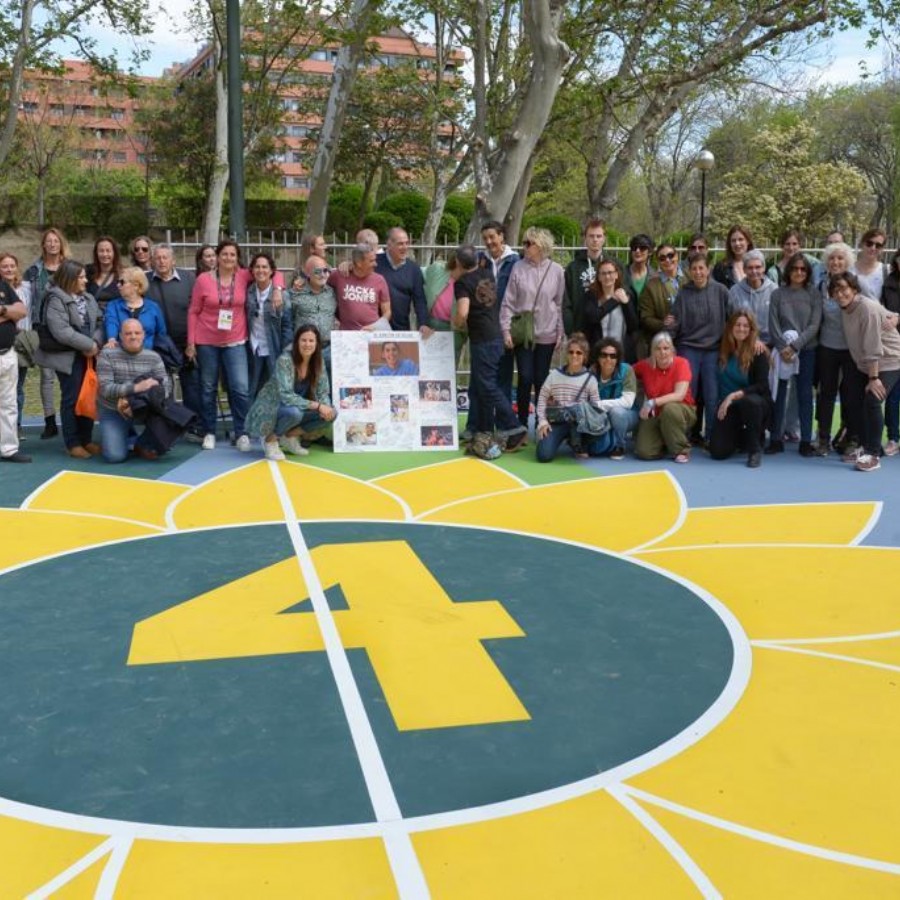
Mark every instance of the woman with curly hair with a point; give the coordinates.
(744, 397)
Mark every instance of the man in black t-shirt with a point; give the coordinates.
(478, 311)
(11, 310)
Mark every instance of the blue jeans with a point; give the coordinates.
(291, 417)
(20, 393)
(534, 365)
(560, 432)
(115, 432)
(622, 421)
(504, 382)
(234, 361)
(493, 406)
(260, 368)
(804, 380)
(704, 381)
(77, 430)
(892, 413)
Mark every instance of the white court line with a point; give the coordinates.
(700, 879)
(676, 525)
(85, 515)
(405, 865)
(765, 645)
(850, 859)
(192, 489)
(839, 639)
(106, 889)
(73, 871)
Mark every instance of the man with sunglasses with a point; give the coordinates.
(170, 287)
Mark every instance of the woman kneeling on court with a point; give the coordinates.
(562, 391)
(668, 412)
(296, 402)
(745, 400)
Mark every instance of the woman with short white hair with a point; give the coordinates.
(531, 315)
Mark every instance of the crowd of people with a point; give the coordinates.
(661, 354)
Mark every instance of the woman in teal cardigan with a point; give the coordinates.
(296, 402)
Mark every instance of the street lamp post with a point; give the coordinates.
(704, 162)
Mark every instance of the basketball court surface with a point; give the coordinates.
(418, 674)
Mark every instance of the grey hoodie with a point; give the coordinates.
(756, 300)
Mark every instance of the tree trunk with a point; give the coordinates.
(15, 82)
(513, 219)
(497, 186)
(349, 57)
(433, 220)
(215, 196)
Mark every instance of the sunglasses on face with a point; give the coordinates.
(575, 352)
(320, 270)
(665, 257)
(605, 355)
(640, 249)
(141, 249)
(876, 245)
(121, 281)
(699, 248)
(527, 243)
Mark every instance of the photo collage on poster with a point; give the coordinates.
(394, 390)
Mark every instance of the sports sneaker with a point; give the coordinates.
(293, 446)
(193, 437)
(823, 445)
(484, 446)
(272, 451)
(868, 462)
(891, 448)
(617, 453)
(243, 443)
(209, 442)
(853, 454)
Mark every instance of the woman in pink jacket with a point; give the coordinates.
(536, 284)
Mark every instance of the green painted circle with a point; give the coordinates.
(617, 659)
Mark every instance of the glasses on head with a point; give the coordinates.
(875, 245)
(605, 355)
(665, 257)
(320, 270)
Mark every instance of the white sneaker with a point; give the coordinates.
(891, 448)
(209, 442)
(293, 446)
(243, 443)
(272, 450)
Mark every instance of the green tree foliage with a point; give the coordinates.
(409, 207)
(788, 187)
(564, 229)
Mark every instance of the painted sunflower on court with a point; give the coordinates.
(286, 681)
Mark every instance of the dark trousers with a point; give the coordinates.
(77, 430)
(533, 364)
(742, 427)
(836, 367)
(873, 413)
(492, 406)
(804, 381)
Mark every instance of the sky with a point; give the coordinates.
(837, 62)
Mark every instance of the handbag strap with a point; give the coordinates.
(583, 386)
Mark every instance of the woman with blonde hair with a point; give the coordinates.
(745, 400)
(531, 315)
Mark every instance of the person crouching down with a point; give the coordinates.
(125, 371)
(296, 403)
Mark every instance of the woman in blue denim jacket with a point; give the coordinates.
(269, 322)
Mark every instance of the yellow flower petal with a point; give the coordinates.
(435, 486)
(242, 495)
(135, 499)
(635, 509)
(801, 523)
(32, 535)
(740, 866)
(795, 592)
(338, 869)
(320, 494)
(84, 885)
(809, 754)
(35, 854)
(587, 847)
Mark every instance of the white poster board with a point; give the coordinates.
(393, 390)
